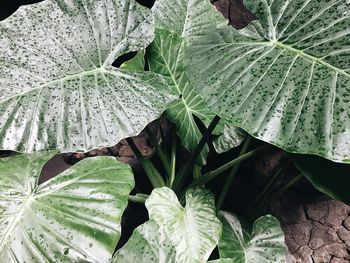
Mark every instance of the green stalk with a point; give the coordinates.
(161, 130)
(207, 177)
(182, 176)
(173, 158)
(138, 198)
(151, 172)
(232, 175)
(162, 155)
(290, 184)
(267, 188)
(196, 172)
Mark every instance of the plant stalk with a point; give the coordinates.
(138, 198)
(182, 176)
(162, 155)
(151, 172)
(290, 184)
(173, 158)
(207, 177)
(232, 175)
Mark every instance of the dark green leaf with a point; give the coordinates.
(329, 177)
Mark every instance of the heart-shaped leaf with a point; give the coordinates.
(194, 231)
(74, 217)
(264, 245)
(58, 86)
(148, 243)
(285, 80)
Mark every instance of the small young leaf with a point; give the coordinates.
(74, 217)
(148, 243)
(264, 245)
(195, 230)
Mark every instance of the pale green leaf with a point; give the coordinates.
(195, 230)
(287, 83)
(187, 18)
(58, 86)
(74, 217)
(264, 245)
(148, 243)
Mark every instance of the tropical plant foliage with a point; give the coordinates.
(174, 233)
(284, 79)
(58, 86)
(74, 217)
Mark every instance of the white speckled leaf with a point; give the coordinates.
(148, 243)
(264, 245)
(58, 86)
(187, 18)
(195, 230)
(74, 217)
(288, 85)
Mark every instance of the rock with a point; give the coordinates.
(344, 235)
(339, 260)
(346, 223)
(321, 256)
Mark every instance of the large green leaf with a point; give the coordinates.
(166, 57)
(74, 217)
(329, 177)
(264, 245)
(148, 243)
(180, 22)
(58, 86)
(286, 81)
(187, 18)
(195, 230)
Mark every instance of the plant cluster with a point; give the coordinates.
(284, 79)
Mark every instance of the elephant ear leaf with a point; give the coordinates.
(264, 245)
(187, 18)
(288, 81)
(58, 87)
(74, 217)
(148, 243)
(178, 23)
(193, 231)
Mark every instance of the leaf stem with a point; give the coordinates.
(173, 158)
(205, 178)
(290, 184)
(232, 175)
(182, 176)
(151, 172)
(162, 155)
(138, 198)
